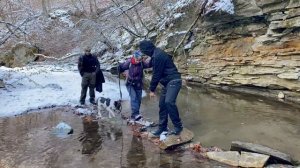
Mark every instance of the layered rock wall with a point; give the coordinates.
(258, 45)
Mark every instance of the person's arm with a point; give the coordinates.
(147, 63)
(124, 66)
(97, 65)
(158, 69)
(80, 65)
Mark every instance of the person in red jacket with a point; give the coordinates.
(134, 81)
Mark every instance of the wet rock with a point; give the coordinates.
(281, 95)
(252, 159)
(230, 157)
(275, 156)
(2, 85)
(173, 140)
(279, 166)
(62, 130)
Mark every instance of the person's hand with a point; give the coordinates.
(152, 95)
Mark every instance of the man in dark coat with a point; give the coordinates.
(88, 65)
(166, 73)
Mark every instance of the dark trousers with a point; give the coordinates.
(88, 81)
(167, 104)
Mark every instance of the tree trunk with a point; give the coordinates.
(44, 6)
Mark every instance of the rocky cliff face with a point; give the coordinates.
(258, 45)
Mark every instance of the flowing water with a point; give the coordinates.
(216, 117)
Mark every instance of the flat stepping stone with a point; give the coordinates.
(230, 157)
(175, 140)
(234, 158)
(275, 155)
(252, 159)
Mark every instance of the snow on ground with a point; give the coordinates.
(41, 86)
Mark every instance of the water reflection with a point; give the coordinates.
(217, 117)
(136, 157)
(172, 160)
(91, 142)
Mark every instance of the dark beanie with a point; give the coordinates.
(147, 47)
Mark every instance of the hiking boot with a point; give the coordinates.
(159, 131)
(82, 103)
(92, 101)
(176, 131)
(138, 118)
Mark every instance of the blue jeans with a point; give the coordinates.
(135, 100)
(167, 105)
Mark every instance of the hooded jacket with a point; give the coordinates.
(135, 72)
(164, 69)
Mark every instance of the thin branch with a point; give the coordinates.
(129, 31)
(192, 25)
(8, 34)
(126, 14)
(10, 24)
(123, 11)
(140, 19)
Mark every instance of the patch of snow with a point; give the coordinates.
(58, 13)
(62, 130)
(178, 15)
(179, 4)
(84, 111)
(41, 86)
(189, 45)
(63, 16)
(220, 5)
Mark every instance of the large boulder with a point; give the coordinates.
(23, 53)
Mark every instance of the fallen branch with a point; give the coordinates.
(192, 25)
(58, 59)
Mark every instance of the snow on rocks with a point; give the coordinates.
(40, 86)
(226, 6)
(62, 130)
(63, 16)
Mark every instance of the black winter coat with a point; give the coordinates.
(164, 69)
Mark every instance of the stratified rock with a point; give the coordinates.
(252, 159)
(294, 76)
(230, 157)
(275, 156)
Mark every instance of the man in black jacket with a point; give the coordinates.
(88, 65)
(166, 73)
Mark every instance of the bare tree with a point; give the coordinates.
(44, 6)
